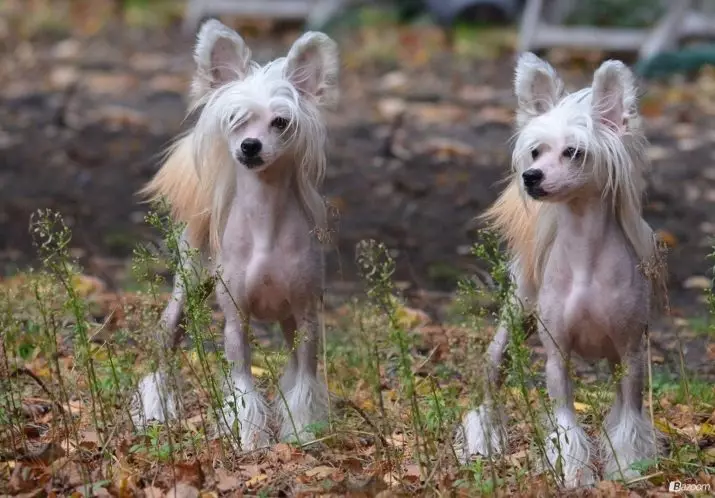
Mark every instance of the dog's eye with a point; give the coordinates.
(534, 153)
(572, 153)
(279, 123)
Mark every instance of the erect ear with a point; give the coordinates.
(312, 66)
(537, 86)
(614, 95)
(221, 56)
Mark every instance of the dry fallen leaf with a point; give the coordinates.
(321, 472)
(226, 482)
(697, 282)
(412, 473)
(667, 238)
(190, 473)
(258, 371)
(494, 114)
(581, 407)
(153, 492)
(445, 148)
(390, 108)
(182, 490)
(256, 480)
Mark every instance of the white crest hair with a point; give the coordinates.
(227, 85)
(603, 122)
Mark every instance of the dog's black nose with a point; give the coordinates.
(251, 147)
(532, 177)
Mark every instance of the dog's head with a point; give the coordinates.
(269, 112)
(579, 143)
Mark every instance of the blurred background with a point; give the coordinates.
(91, 91)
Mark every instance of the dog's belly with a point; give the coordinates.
(590, 335)
(267, 288)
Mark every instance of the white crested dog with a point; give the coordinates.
(245, 182)
(578, 246)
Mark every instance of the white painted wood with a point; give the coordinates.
(667, 31)
(196, 10)
(530, 24)
(588, 37)
(683, 18)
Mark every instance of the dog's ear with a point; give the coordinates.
(312, 66)
(537, 86)
(614, 95)
(221, 56)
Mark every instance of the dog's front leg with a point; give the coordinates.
(244, 405)
(303, 401)
(483, 431)
(155, 399)
(568, 449)
(629, 436)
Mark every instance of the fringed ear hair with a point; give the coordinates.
(221, 56)
(312, 66)
(537, 87)
(614, 95)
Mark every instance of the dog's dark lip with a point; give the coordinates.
(251, 162)
(536, 192)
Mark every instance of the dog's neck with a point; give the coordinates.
(583, 224)
(264, 198)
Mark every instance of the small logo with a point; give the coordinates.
(685, 487)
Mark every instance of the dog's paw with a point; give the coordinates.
(153, 401)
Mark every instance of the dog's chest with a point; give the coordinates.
(594, 309)
(272, 277)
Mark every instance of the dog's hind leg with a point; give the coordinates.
(155, 399)
(304, 400)
(483, 431)
(628, 435)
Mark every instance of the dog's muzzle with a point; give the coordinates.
(532, 182)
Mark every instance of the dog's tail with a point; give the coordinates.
(513, 218)
(178, 183)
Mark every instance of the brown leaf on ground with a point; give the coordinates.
(435, 114)
(25, 478)
(67, 471)
(322, 472)
(153, 492)
(226, 482)
(477, 94)
(190, 473)
(256, 480)
(412, 473)
(126, 487)
(445, 148)
(284, 453)
(183, 490)
(667, 238)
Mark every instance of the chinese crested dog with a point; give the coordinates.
(579, 248)
(245, 181)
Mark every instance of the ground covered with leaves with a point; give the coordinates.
(417, 149)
